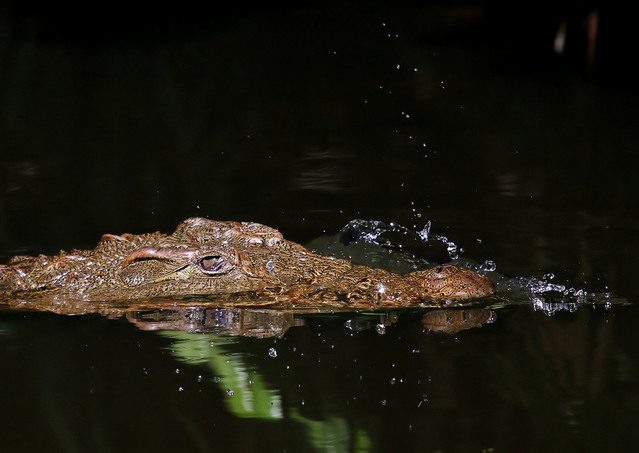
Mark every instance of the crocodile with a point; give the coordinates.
(229, 263)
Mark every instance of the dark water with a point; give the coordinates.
(305, 119)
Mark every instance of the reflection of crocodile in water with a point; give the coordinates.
(242, 264)
(241, 322)
(262, 323)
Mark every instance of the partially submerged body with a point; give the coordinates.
(243, 264)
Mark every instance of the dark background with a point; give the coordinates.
(124, 116)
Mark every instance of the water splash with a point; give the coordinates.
(550, 308)
(451, 247)
(424, 232)
(553, 297)
(488, 266)
(374, 231)
(542, 294)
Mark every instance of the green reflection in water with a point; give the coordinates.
(332, 434)
(252, 399)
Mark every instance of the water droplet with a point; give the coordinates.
(272, 352)
(177, 371)
(380, 329)
(199, 378)
(392, 381)
(383, 402)
(216, 379)
(424, 232)
(397, 67)
(488, 266)
(230, 392)
(180, 389)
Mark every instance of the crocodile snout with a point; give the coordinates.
(450, 282)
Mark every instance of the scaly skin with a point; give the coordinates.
(242, 264)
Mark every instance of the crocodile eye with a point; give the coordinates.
(213, 265)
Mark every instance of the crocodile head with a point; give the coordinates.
(179, 269)
(212, 258)
(202, 257)
(148, 271)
